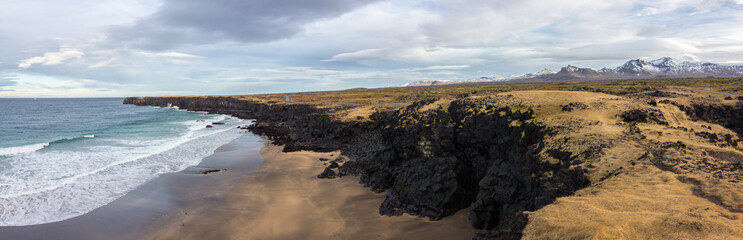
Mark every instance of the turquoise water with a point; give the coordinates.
(60, 158)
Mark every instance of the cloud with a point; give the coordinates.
(91, 83)
(52, 58)
(167, 54)
(624, 50)
(7, 80)
(195, 22)
(411, 54)
(104, 63)
(231, 46)
(442, 67)
(649, 11)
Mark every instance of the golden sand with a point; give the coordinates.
(285, 200)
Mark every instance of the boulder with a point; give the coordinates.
(333, 164)
(574, 106)
(208, 171)
(327, 173)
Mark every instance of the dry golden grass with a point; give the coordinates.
(357, 113)
(637, 200)
(441, 103)
(632, 195)
(411, 94)
(644, 203)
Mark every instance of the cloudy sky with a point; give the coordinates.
(92, 48)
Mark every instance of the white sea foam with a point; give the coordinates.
(36, 147)
(194, 125)
(22, 149)
(54, 185)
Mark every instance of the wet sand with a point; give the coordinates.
(130, 216)
(264, 194)
(285, 200)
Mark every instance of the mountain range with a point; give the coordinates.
(428, 82)
(664, 67)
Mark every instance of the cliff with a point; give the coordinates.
(298, 126)
(526, 164)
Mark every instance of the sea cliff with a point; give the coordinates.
(506, 156)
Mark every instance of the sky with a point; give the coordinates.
(116, 48)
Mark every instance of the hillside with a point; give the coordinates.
(527, 161)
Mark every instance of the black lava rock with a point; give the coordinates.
(327, 173)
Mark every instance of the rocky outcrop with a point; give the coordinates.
(297, 126)
(643, 116)
(504, 157)
(482, 154)
(728, 115)
(485, 154)
(573, 106)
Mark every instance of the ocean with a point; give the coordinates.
(61, 158)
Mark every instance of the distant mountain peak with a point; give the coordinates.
(669, 67)
(545, 72)
(430, 82)
(569, 68)
(664, 67)
(665, 62)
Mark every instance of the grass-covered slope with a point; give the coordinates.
(534, 164)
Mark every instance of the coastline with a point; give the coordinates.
(129, 216)
(284, 199)
(511, 158)
(264, 194)
(428, 159)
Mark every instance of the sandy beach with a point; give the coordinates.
(264, 194)
(285, 200)
(130, 216)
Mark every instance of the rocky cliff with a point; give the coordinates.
(297, 126)
(504, 157)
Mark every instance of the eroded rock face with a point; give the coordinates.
(643, 116)
(297, 126)
(480, 154)
(729, 116)
(491, 154)
(327, 173)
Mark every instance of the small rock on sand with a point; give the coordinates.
(208, 171)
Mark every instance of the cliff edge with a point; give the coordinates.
(528, 164)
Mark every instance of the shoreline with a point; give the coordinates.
(284, 199)
(272, 195)
(128, 216)
(513, 159)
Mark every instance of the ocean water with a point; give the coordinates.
(61, 158)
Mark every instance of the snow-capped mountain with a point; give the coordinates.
(537, 74)
(574, 71)
(428, 82)
(668, 67)
(567, 73)
(664, 67)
